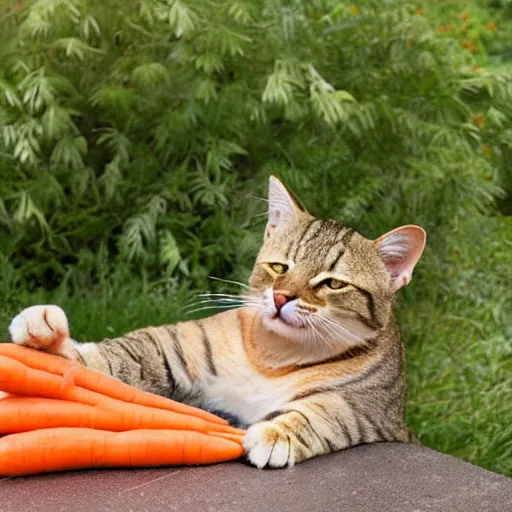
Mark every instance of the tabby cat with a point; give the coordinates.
(311, 364)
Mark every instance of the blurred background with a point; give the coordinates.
(137, 136)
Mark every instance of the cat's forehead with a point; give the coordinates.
(315, 242)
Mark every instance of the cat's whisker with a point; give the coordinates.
(345, 331)
(258, 198)
(312, 330)
(228, 296)
(232, 282)
(224, 299)
(235, 301)
(331, 329)
(217, 301)
(329, 335)
(335, 332)
(217, 295)
(231, 306)
(245, 297)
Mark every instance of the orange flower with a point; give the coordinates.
(420, 12)
(479, 120)
(491, 26)
(469, 46)
(486, 150)
(354, 10)
(446, 28)
(465, 17)
(476, 68)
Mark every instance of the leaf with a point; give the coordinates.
(10, 93)
(169, 251)
(90, 25)
(111, 179)
(68, 152)
(27, 210)
(56, 121)
(324, 99)
(37, 90)
(140, 229)
(206, 91)
(343, 96)
(181, 18)
(278, 89)
(240, 12)
(118, 143)
(74, 47)
(209, 63)
(5, 219)
(149, 74)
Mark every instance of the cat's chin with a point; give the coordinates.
(282, 327)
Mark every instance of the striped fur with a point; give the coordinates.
(322, 374)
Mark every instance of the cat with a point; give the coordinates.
(311, 364)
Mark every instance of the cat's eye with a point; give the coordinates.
(278, 268)
(335, 284)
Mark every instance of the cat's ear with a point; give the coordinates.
(400, 250)
(282, 206)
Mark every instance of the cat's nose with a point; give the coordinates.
(280, 299)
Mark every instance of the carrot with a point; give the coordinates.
(232, 437)
(22, 414)
(59, 449)
(98, 382)
(17, 378)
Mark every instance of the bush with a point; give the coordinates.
(134, 132)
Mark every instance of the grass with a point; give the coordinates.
(459, 355)
(455, 324)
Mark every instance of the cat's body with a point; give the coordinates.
(313, 365)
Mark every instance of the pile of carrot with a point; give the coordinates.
(56, 415)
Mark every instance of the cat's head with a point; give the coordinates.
(317, 281)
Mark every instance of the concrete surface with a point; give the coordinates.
(378, 478)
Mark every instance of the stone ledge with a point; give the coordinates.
(381, 477)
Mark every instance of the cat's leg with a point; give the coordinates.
(160, 360)
(285, 440)
(44, 327)
(308, 428)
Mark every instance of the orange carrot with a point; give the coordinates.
(95, 381)
(59, 449)
(232, 437)
(22, 414)
(17, 378)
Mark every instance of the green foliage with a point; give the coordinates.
(482, 27)
(143, 127)
(135, 137)
(459, 350)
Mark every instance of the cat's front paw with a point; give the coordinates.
(40, 327)
(268, 444)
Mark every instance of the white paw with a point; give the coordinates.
(267, 444)
(40, 327)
